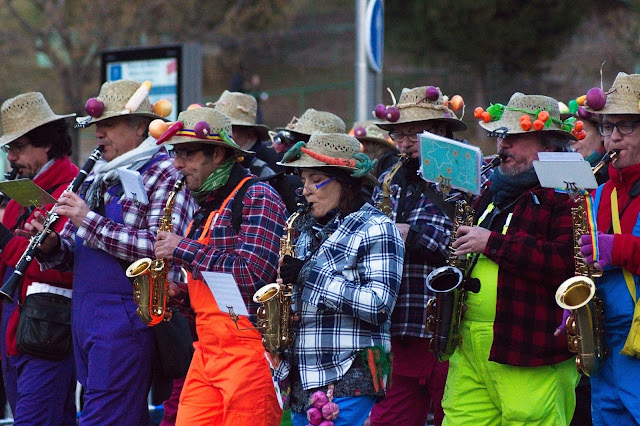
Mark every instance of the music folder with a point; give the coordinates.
(26, 193)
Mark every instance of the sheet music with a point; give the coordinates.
(132, 185)
(225, 290)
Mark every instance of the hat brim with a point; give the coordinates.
(177, 140)
(263, 131)
(454, 124)
(306, 161)
(111, 114)
(495, 125)
(10, 137)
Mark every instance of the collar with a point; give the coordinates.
(626, 177)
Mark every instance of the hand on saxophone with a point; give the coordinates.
(470, 239)
(37, 225)
(605, 250)
(290, 269)
(562, 328)
(166, 243)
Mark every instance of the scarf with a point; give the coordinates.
(505, 188)
(216, 180)
(106, 173)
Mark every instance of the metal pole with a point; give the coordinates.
(362, 92)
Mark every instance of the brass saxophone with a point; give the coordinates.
(578, 295)
(384, 205)
(150, 276)
(444, 312)
(274, 313)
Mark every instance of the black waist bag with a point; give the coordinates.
(44, 327)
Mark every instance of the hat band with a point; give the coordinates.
(359, 161)
(192, 134)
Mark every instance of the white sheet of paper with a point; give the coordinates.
(559, 174)
(559, 156)
(132, 185)
(225, 290)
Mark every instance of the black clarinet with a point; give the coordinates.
(9, 288)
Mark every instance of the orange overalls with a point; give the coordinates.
(229, 380)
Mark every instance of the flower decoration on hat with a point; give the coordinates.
(536, 120)
(360, 162)
(391, 113)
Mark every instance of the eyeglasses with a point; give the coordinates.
(182, 154)
(624, 127)
(315, 187)
(14, 149)
(399, 136)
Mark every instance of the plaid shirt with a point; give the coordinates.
(426, 250)
(534, 257)
(347, 299)
(135, 237)
(251, 255)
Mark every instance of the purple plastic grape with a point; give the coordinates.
(380, 110)
(94, 107)
(314, 415)
(584, 114)
(596, 98)
(432, 93)
(392, 114)
(360, 132)
(202, 129)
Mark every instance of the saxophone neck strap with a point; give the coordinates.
(615, 221)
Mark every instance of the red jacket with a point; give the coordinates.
(534, 257)
(626, 247)
(57, 178)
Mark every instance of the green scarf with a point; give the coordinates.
(216, 180)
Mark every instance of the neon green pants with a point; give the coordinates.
(482, 392)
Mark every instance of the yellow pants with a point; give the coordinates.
(482, 392)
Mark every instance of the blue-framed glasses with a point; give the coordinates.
(315, 187)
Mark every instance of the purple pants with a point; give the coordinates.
(39, 391)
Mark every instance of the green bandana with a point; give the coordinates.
(217, 179)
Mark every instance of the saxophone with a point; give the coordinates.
(274, 313)
(384, 205)
(578, 295)
(444, 312)
(150, 276)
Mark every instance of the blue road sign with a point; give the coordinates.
(375, 34)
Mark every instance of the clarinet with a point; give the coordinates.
(50, 219)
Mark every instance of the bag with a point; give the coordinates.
(172, 354)
(44, 326)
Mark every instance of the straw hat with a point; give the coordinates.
(242, 110)
(507, 120)
(23, 113)
(114, 96)
(368, 131)
(316, 121)
(623, 97)
(414, 106)
(326, 150)
(203, 125)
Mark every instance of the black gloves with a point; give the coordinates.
(290, 269)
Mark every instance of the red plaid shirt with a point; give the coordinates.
(534, 257)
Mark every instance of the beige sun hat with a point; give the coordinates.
(368, 131)
(325, 150)
(507, 119)
(415, 107)
(623, 97)
(204, 125)
(23, 113)
(242, 109)
(114, 95)
(316, 121)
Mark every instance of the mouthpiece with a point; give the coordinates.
(609, 157)
(12, 174)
